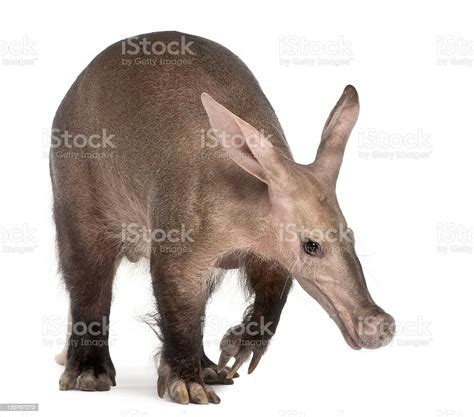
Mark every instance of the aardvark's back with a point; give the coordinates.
(151, 103)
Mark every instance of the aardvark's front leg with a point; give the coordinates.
(270, 284)
(181, 291)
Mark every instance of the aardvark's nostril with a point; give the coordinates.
(376, 331)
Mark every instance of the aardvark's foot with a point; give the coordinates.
(95, 377)
(239, 344)
(212, 376)
(184, 391)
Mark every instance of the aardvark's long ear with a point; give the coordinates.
(244, 144)
(335, 134)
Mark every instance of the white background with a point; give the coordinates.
(409, 201)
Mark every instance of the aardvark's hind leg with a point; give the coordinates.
(88, 268)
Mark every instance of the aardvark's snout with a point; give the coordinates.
(375, 330)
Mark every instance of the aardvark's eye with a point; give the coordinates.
(312, 248)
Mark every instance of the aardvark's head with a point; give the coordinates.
(307, 232)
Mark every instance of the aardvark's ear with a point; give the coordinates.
(335, 134)
(244, 144)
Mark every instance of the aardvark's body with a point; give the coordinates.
(137, 171)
